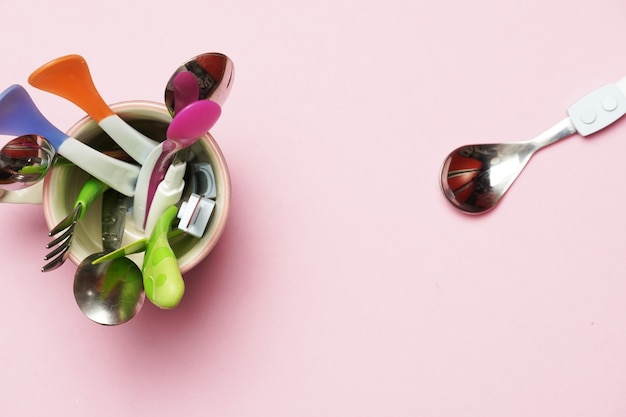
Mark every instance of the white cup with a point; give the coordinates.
(63, 183)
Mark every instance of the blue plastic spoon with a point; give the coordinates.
(20, 116)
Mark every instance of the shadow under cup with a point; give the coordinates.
(64, 181)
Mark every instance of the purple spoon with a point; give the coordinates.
(19, 116)
(191, 122)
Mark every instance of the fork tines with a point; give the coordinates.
(63, 242)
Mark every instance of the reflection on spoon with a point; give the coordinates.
(475, 177)
(186, 90)
(25, 161)
(214, 73)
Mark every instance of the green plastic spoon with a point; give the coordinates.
(162, 280)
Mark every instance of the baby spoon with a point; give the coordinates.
(19, 116)
(69, 77)
(186, 127)
(474, 178)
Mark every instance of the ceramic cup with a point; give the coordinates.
(63, 183)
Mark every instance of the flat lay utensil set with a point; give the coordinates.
(155, 183)
(166, 192)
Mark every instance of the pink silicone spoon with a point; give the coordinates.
(186, 127)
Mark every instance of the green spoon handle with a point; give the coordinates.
(91, 190)
(162, 280)
(135, 247)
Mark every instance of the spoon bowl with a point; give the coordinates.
(24, 161)
(110, 292)
(475, 177)
(214, 74)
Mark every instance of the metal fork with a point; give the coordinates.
(62, 243)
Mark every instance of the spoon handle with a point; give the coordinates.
(114, 207)
(135, 247)
(20, 116)
(91, 190)
(69, 77)
(599, 109)
(557, 132)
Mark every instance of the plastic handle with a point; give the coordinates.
(114, 209)
(186, 127)
(69, 77)
(162, 279)
(90, 191)
(598, 109)
(20, 116)
(135, 247)
(168, 193)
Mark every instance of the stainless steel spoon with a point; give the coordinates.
(475, 177)
(24, 161)
(111, 292)
(214, 73)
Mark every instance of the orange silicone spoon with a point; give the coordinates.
(69, 77)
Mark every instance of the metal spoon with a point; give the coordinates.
(474, 178)
(111, 292)
(214, 73)
(24, 161)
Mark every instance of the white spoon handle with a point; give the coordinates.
(599, 109)
(134, 143)
(117, 174)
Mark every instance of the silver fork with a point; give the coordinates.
(62, 243)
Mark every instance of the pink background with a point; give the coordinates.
(345, 284)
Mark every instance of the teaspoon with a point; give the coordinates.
(475, 177)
